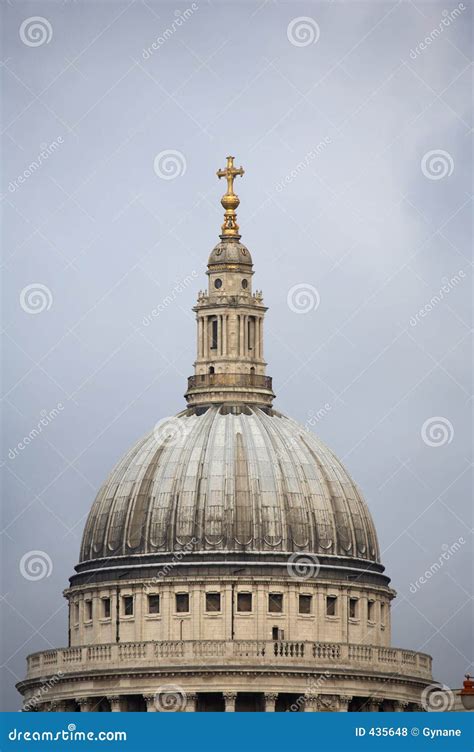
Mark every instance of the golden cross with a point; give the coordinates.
(230, 200)
(230, 173)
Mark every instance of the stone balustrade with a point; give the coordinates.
(233, 653)
(230, 379)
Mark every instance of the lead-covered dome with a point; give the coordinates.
(230, 252)
(229, 480)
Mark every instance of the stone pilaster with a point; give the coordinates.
(270, 701)
(399, 706)
(87, 704)
(59, 706)
(150, 703)
(373, 704)
(115, 703)
(191, 702)
(344, 701)
(311, 704)
(230, 698)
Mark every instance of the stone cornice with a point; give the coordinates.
(344, 675)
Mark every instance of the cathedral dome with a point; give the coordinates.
(230, 480)
(229, 557)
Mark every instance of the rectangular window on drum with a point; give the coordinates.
(370, 610)
(106, 608)
(331, 605)
(275, 603)
(154, 604)
(182, 603)
(305, 602)
(244, 602)
(127, 605)
(353, 608)
(213, 602)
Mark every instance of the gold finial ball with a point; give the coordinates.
(230, 201)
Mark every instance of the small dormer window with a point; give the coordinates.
(218, 283)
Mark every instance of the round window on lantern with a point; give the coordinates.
(218, 283)
(245, 284)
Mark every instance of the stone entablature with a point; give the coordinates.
(230, 655)
(262, 700)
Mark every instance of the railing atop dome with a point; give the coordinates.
(229, 380)
(261, 653)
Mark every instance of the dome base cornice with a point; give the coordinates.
(266, 564)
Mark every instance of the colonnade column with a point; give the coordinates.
(191, 701)
(58, 706)
(399, 706)
(229, 699)
(225, 318)
(199, 338)
(205, 337)
(311, 703)
(344, 701)
(86, 704)
(150, 703)
(373, 704)
(270, 701)
(219, 335)
(115, 703)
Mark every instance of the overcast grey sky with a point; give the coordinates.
(356, 144)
